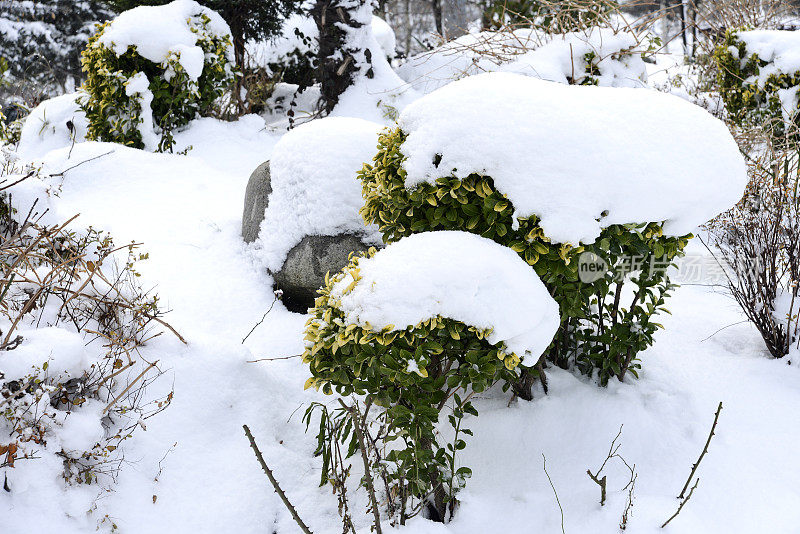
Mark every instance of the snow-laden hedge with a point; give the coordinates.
(432, 317)
(154, 69)
(553, 172)
(599, 56)
(759, 78)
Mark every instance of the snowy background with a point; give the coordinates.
(192, 470)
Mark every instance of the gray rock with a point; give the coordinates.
(306, 264)
(305, 267)
(256, 197)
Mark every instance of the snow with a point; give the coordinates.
(385, 36)
(193, 471)
(315, 188)
(138, 86)
(580, 158)
(157, 31)
(779, 48)
(457, 275)
(558, 58)
(46, 129)
(61, 350)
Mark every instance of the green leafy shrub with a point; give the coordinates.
(139, 103)
(751, 99)
(600, 331)
(412, 374)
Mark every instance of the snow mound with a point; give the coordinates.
(315, 190)
(562, 58)
(46, 127)
(385, 36)
(580, 158)
(457, 275)
(157, 31)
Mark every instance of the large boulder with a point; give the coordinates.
(303, 271)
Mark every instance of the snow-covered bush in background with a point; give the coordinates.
(759, 78)
(598, 56)
(428, 319)
(553, 172)
(154, 69)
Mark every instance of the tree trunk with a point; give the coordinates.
(436, 6)
(338, 65)
(238, 54)
(456, 18)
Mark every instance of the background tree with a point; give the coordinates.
(41, 40)
(343, 53)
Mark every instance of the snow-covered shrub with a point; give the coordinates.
(154, 69)
(418, 327)
(555, 172)
(598, 56)
(759, 78)
(555, 16)
(73, 384)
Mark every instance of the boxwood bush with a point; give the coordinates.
(604, 325)
(123, 109)
(412, 374)
(751, 102)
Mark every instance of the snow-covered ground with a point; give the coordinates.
(192, 470)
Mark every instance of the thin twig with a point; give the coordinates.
(544, 466)
(356, 415)
(62, 173)
(682, 504)
(262, 319)
(702, 454)
(273, 359)
(274, 482)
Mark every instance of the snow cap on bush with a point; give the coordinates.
(152, 70)
(578, 158)
(455, 275)
(315, 188)
(158, 31)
